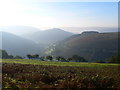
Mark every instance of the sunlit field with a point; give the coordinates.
(39, 62)
(25, 73)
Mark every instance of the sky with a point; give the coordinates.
(58, 14)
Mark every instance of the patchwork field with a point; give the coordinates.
(21, 73)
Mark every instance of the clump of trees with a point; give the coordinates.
(36, 56)
(114, 59)
(60, 58)
(78, 58)
(5, 55)
(74, 58)
(49, 57)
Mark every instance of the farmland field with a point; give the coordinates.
(25, 73)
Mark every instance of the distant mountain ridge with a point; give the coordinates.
(49, 36)
(16, 45)
(19, 30)
(99, 29)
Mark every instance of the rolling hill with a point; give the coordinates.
(96, 46)
(16, 45)
(49, 36)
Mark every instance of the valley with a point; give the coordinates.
(56, 42)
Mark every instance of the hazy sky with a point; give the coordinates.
(58, 14)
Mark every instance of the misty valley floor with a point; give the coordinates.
(16, 75)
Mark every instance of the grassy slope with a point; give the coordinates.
(92, 47)
(38, 62)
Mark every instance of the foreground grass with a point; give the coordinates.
(16, 76)
(38, 62)
(25, 73)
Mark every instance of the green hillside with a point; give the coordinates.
(98, 46)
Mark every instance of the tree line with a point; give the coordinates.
(74, 58)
